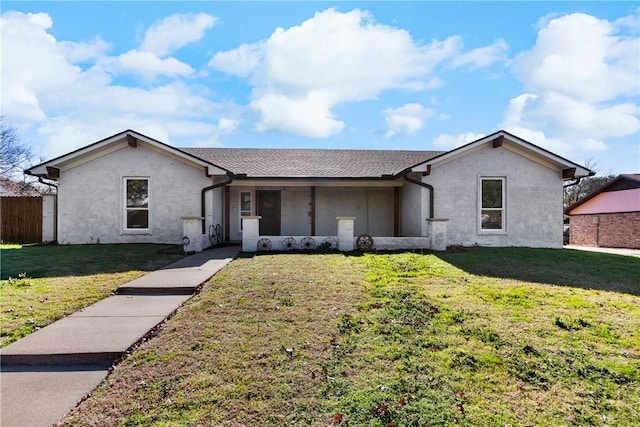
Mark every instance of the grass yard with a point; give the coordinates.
(40, 284)
(478, 337)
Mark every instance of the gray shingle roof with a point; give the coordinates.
(311, 163)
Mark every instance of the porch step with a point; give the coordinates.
(172, 281)
(20, 362)
(98, 334)
(157, 290)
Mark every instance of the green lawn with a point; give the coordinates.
(479, 337)
(41, 284)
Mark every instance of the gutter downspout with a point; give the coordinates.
(577, 180)
(41, 181)
(425, 185)
(203, 210)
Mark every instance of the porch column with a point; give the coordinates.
(192, 233)
(438, 233)
(250, 233)
(345, 233)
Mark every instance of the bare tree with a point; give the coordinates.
(585, 186)
(15, 157)
(14, 153)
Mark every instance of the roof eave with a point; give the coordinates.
(561, 162)
(41, 170)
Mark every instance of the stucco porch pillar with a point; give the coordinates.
(345, 233)
(192, 233)
(250, 233)
(437, 228)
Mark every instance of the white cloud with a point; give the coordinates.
(176, 31)
(449, 142)
(147, 64)
(308, 115)
(330, 59)
(241, 61)
(227, 125)
(32, 62)
(61, 94)
(84, 51)
(582, 57)
(406, 120)
(483, 56)
(582, 79)
(161, 39)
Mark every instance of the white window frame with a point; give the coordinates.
(126, 209)
(502, 210)
(244, 212)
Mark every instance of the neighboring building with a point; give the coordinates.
(8, 187)
(497, 191)
(608, 217)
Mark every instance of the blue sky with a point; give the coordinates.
(359, 75)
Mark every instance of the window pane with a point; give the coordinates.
(137, 219)
(245, 201)
(491, 193)
(137, 193)
(491, 220)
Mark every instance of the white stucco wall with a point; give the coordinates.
(414, 209)
(295, 205)
(295, 211)
(91, 197)
(533, 199)
(214, 208)
(48, 217)
(372, 208)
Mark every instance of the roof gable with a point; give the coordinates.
(570, 170)
(84, 154)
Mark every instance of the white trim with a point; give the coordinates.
(514, 144)
(118, 142)
(315, 183)
(126, 209)
(240, 210)
(503, 209)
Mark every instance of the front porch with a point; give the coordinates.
(345, 240)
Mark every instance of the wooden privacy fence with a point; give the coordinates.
(21, 219)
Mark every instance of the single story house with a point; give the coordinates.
(499, 190)
(609, 217)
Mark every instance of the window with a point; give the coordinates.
(137, 204)
(245, 205)
(492, 208)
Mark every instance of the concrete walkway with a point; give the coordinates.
(45, 374)
(615, 251)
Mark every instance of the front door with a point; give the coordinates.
(269, 210)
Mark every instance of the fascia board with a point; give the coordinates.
(552, 162)
(516, 145)
(181, 155)
(314, 183)
(117, 142)
(69, 158)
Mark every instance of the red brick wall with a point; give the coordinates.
(613, 230)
